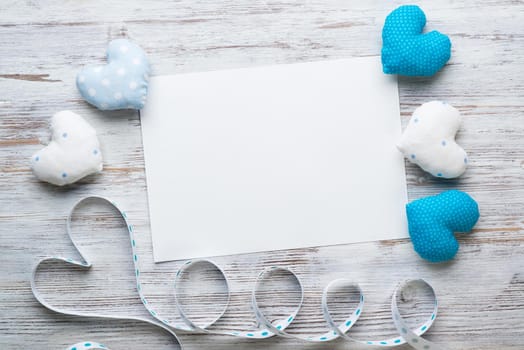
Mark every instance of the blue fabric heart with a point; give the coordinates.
(406, 51)
(122, 83)
(432, 221)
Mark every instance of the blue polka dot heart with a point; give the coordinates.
(406, 50)
(433, 220)
(122, 83)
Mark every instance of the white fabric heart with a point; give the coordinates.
(73, 153)
(429, 140)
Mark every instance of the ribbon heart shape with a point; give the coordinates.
(267, 328)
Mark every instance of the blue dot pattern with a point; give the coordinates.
(433, 220)
(406, 51)
(87, 345)
(122, 83)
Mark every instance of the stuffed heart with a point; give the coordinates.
(429, 140)
(74, 151)
(406, 51)
(432, 221)
(120, 84)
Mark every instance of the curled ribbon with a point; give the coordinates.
(267, 328)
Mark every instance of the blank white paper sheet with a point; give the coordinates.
(274, 157)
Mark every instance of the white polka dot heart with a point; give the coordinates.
(122, 83)
(429, 140)
(73, 153)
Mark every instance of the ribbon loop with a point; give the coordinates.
(278, 326)
(185, 270)
(266, 328)
(344, 327)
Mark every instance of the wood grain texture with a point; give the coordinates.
(44, 44)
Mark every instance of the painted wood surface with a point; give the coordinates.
(44, 44)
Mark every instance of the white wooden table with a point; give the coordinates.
(44, 44)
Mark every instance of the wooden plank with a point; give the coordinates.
(44, 44)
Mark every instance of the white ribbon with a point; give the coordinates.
(267, 328)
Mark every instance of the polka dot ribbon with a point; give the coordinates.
(267, 328)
